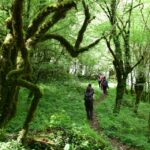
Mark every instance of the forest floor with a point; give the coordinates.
(95, 124)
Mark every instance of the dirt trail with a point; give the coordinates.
(96, 126)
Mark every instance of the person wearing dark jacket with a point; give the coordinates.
(104, 85)
(88, 101)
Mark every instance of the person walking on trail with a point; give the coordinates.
(99, 81)
(104, 85)
(100, 78)
(88, 101)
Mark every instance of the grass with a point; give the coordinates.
(58, 98)
(62, 105)
(129, 127)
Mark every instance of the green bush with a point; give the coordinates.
(11, 145)
(2, 134)
(67, 139)
(128, 127)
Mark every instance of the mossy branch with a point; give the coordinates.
(18, 33)
(73, 50)
(37, 95)
(84, 26)
(13, 74)
(64, 42)
(69, 47)
(14, 78)
(142, 58)
(46, 26)
(17, 22)
(33, 28)
(86, 48)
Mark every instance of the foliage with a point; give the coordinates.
(67, 139)
(64, 110)
(128, 127)
(11, 145)
(62, 116)
(69, 100)
(62, 103)
(47, 71)
(2, 134)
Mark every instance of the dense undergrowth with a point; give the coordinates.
(60, 120)
(128, 127)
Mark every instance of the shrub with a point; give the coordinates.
(11, 145)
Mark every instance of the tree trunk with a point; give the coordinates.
(119, 95)
(8, 103)
(139, 86)
(8, 92)
(149, 128)
(131, 89)
(121, 86)
(138, 90)
(137, 101)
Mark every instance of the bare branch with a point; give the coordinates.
(108, 10)
(137, 63)
(145, 21)
(108, 13)
(86, 48)
(131, 8)
(109, 48)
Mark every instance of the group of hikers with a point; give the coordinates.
(89, 92)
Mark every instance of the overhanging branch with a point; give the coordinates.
(33, 27)
(69, 47)
(64, 42)
(57, 16)
(137, 63)
(86, 48)
(84, 26)
(109, 48)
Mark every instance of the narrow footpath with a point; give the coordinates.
(96, 126)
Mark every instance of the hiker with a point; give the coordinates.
(88, 101)
(104, 85)
(100, 77)
(99, 81)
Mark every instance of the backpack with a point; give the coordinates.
(88, 96)
(105, 83)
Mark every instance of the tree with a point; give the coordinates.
(118, 36)
(19, 40)
(140, 46)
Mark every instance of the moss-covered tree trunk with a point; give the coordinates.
(119, 96)
(132, 85)
(139, 86)
(8, 93)
(149, 128)
(121, 85)
(11, 76)
(119, 35)
(19, 40)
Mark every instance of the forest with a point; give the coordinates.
(74, 74)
